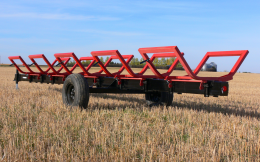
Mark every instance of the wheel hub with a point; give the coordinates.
(71, 94)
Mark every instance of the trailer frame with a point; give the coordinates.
(104, 81)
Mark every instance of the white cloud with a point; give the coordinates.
(13, 41)
(57, 16)
(111, 6)
(115, 33)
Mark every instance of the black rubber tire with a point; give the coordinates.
(75, 91)
(159, 98)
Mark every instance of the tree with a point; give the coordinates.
(132, 62)
(172, 59)
(83, 63)
(106, 59)
(163, 61)
(168, 61)
(137, 61)
(142, 59)
(179, 65)
(71, 63)
(86, 63)
(156, 61)
(159, 62)
(101, 59)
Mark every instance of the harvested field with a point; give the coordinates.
(36, 126)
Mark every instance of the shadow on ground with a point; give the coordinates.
(224, 109)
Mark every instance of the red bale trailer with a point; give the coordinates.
(158, 88)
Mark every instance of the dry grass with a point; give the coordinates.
(36, 126)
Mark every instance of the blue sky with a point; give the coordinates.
(81, 26)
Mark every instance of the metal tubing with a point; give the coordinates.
(158, 52)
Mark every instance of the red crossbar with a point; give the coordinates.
(158, 52)
(128, 57)
(71, 54)
(162, 55)
(12, 58)
(32, 57)
(88, 58)
(117, 55)
(193, 75)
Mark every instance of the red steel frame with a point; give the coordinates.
(158, 52)
(32, 57)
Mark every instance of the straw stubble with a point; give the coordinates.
(36, 125)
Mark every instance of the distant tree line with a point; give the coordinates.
(162, 63)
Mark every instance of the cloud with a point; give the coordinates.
(58, 17)
(112, 6)
(114, 33)
(16, 41)
(168, 5)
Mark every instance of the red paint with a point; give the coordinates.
(158, 52)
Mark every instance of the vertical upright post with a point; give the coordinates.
(17, 78)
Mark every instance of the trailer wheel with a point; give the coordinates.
(75, 91)
(159, 98)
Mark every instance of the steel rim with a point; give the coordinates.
(70, 94)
